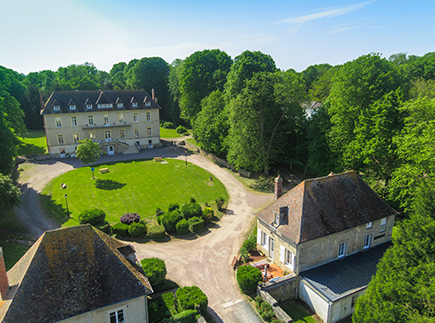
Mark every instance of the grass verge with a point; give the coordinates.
(169, 133)
(33, 143)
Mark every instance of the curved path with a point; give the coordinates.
(203, 261)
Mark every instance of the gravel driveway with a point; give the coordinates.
(197, 260)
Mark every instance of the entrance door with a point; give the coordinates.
(110, 150)
(271, 248)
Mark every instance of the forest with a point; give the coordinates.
(377, 117)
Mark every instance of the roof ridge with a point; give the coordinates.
(302, 212)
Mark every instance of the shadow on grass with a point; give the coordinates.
(53, 209)
(108, 184)
(30, 149)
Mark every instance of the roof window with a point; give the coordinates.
(56, 107)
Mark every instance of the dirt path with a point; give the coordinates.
(203, 261)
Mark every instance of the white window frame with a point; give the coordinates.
(369, 225)
(105, 105)
(148, 116)
(74, 121)
(89, 106)
(72, 107)
(56, 107)
(120, 105)
(276, 218)
(135, 117)
(58, 122)
(91, 120)
(76, 138)
(114, 317)
(122, 134)
(367, 241)
(60, 139)
(134, 104)
(149, 132)
(342, 249)
(287, 257)
(121, 118)
(108, 135)
(106, 120)
(148, 104)
(383, 225)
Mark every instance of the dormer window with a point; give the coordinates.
(56, 107)
(134, 104)
(369, 225)
(276, 218)
(72, 107)
(105, 105)
(148, 104)
(120, 105)
(88, 106)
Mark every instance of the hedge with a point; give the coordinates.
(188, 316)
(248, 278)
(168, 125)
(170, 219)
(154, 269)
(181, 129)
(173, 206)
(158, 310)
(190, 296)
(169, 300)
(105, 227)
(129, 218)
(120, 228)
(156, 232)
(190, 210)
(182, 226)
(196, 224)
(207, 214)
(136, 229)
(92, 216)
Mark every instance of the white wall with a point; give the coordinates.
(314, 301)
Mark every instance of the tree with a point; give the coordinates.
(88, 152)
(9, 193)
(174, 89)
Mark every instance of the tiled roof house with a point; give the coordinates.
(76, 274)
(313, 228)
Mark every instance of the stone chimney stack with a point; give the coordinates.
(278, 187)
(4, 283)
(152, 94)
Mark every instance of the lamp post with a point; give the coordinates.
(66, 202)
(185, 152)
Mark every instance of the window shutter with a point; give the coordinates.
(259, 236)
(266, 245)
(282, 254)
(292, 266)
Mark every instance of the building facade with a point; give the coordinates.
(122, 121)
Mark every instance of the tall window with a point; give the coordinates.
(117, 317)
(148, 116)
(60, 139)
(367, 241)
(135, 117)
(58, 123)
(91, 120)
(106, 119)
(107, 135)
(74, 121)
(263, 238)
(342, 249)
(122, 133)
(121, 118)
(76, 138)
(275, 218)
(288, 257)
(149, 132)
(136, 133)
(383, 224)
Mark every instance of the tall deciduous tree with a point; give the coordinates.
(9, 193)
(88, 152)
(174, 89)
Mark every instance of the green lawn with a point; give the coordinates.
(33, 143)
(8, 222)
(137, 186)
(12, 252)
(169, 133)
(297, 312)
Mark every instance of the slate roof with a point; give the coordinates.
(346, 276)
(326, 205)
(82, 98)
(70, 271)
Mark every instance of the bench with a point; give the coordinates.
(158, 159)
(103, 170)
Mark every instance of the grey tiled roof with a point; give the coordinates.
(345, 276)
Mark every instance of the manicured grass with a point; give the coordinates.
(169, 133)
(9, 222)
(297, 312)
(33, 143)
(137, 186)
(12, 252)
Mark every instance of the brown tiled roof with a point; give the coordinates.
(68, 272)
(326, 205)
(81, 98)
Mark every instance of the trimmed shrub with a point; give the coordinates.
(190, 296)
(250, 243)
(158, 310)
(159, 211)
(92, 216)
(129, 218)
(207, 214)
(173, 207)
(182, 226)
(169, 300)
(265, 309)
(190, 210)
(156, 232)
(196, 224)
(120, 228)
(181, 129)
(170, 219)
(188, 316)
(154, 269)
(168, 125)
(220, 203)
(136, 229)
(105, 227)
(248, 278)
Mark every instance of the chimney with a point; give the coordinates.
(152, 94)
(278, 187)
(4, 284)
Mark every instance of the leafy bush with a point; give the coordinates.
(248, 278)
(189, 296)
(159, 211)
(129, 218)
(120, 228)
(137, 229)
(250, 243)
(190, 210)
(169, 300)
(196, 224)
(181, 129)
(92, 216)
(156, 232)
(158, 310)
(182, 226)
(220, 203)
(154, 269)
(188, 316)
(173, 207)
(170, 219)
(265, 310)
(105, 227)
(168, 125)
(207, 214)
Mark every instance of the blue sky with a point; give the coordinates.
(46, 34)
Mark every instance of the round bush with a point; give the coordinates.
(173, 207)
(207, 214)
(92, 216)
(250, 243)
(170, 219)
(248, 278)
(190, 210)
(196, 224)
(156, 232)
(188, 316)
(182, 226)
(129, 218)
(168, 125)
(190, 296)
(220, 203)
(136, 229)
(120, 228)
(154, 269)
(181, 129)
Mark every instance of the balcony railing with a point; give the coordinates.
(107, 125)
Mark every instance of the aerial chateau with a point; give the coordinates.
(122, 121)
